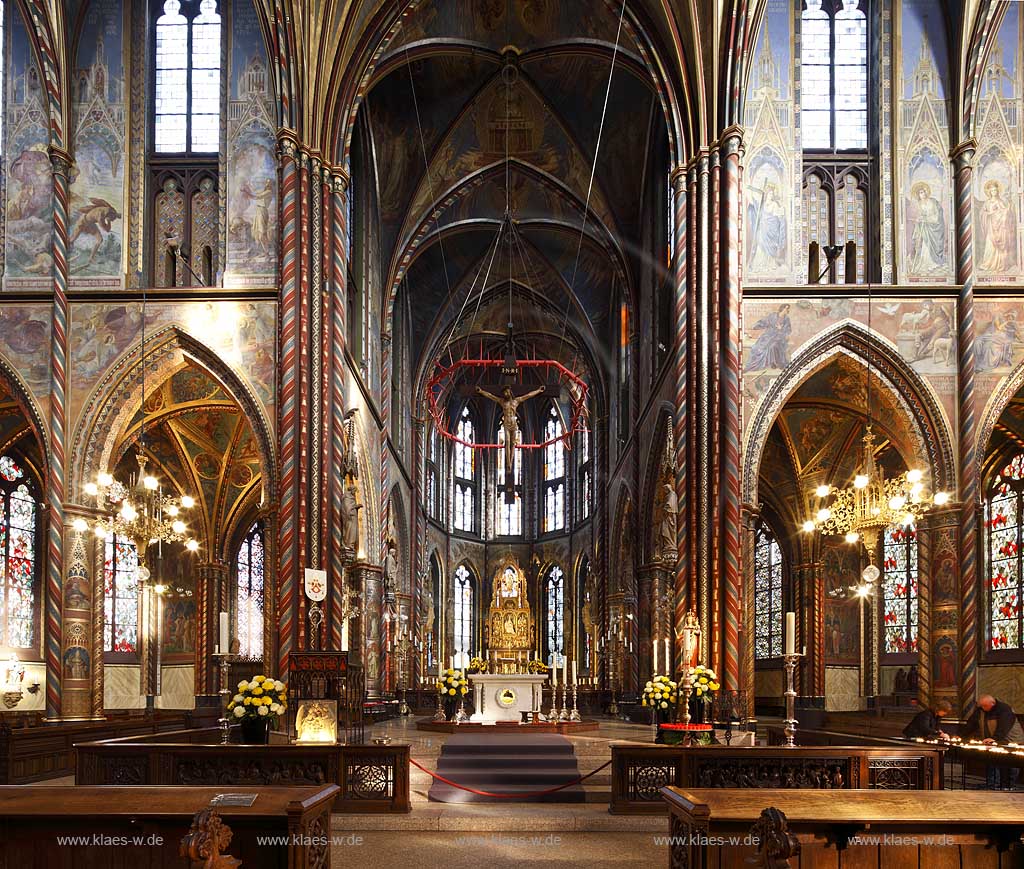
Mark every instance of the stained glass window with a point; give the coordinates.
(851, 225)
(817, 211)
(1003, 550)
(554, 473)
(899, 589)
(464, 465)
(584, 649)
(249, 600)
(767, 594)
(462, 621)
(120, 596)
(433, 481)
(834, 75)
(19, 522)
(510, 514)
(187, 78)
(554, 593)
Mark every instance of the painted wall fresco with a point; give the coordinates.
(25, 344)
(840, 566)
(27, 170)
(97, 176)
(251, 161)
(999, 162)
(243, 334)
(923, 330)
(999, 341)
(772, 159)
(925, 200)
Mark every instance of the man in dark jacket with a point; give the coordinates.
(993, 721)
(925, 725)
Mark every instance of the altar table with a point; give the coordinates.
(869, 829)
(504, 696)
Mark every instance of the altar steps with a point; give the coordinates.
(507, 764)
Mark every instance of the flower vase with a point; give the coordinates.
(697, 710)
(255, 731)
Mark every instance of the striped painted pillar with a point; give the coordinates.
(963, 161)
(305, 352)
(289, 383)
(692, 391)
(730, 577)
(336, 376)
(76, 618)
(55, 489)
(748, 519)
(702, 371)
(713, 592)
(924, 609)
(680, 263)
(418, 557)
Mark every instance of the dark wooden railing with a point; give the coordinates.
(639, 772)
(374, 779)
(32, 754)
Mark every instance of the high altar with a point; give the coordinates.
(508, 689)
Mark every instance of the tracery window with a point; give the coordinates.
(1003, 509)
(768, 605)
(433, 477)
(585, 478)
(510, 515)
(554, 594)
(554, 473)
(19, 537)
(249, 566)
(834, 120)
(187, 81)
(462, 620)
(120, 596)
(899, 590)
(464, 473)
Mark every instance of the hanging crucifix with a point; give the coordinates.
(509, 403)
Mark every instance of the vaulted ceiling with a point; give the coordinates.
(479, 109)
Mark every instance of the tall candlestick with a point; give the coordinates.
(225, 633)
(790, 633)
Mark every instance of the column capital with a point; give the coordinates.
(963, 154)
(340, 180)
(677, 178)
(60, 160)
(731, 141)
(287, 144)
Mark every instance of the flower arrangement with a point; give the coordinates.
(477, 665)
(453, 683)
(261, 698)
(536, 667)
(705, 683)
(660, 693)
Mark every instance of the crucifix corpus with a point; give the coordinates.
(509, 402)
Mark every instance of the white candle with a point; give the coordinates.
(573, 671)
(565, 669)
(440, 668)
(668, 660)
(225, 633)
(654, 666)
(344, 635)
(790, 633)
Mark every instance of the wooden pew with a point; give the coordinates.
(372, 779)
(640, 771)
(143, 828)
(867, 829)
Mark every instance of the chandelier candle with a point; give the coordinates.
(790, 633)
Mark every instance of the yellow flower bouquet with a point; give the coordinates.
(262, 697)
(453, 683)
(536, 667)
(661, 694)
(705, 683)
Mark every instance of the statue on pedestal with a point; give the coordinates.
(350, 508)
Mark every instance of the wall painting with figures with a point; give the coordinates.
(95, 241)
(999, 161)
(925, 243)
(252, 164)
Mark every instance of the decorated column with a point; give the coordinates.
(963, 161)
(211, 599)
(730, 578)
(77, 656)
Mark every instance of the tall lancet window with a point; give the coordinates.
(768, 605)
(120, 597)
(187, 79)
(554, 616)
(899, 589)
(249, 597)
(554, 473)
(585, 484)
(19, 541)
(462, 616)
(1003, 544)
(510, 514)
(464, 474)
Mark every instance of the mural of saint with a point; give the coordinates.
(767, 219)
(771, 350)
(997, 341)
(999, 230)
(928, 240)
(945, 665)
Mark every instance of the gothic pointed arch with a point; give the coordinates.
(912, 393)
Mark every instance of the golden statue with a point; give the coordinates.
(509, 626)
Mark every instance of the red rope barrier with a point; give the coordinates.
(447, 781)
